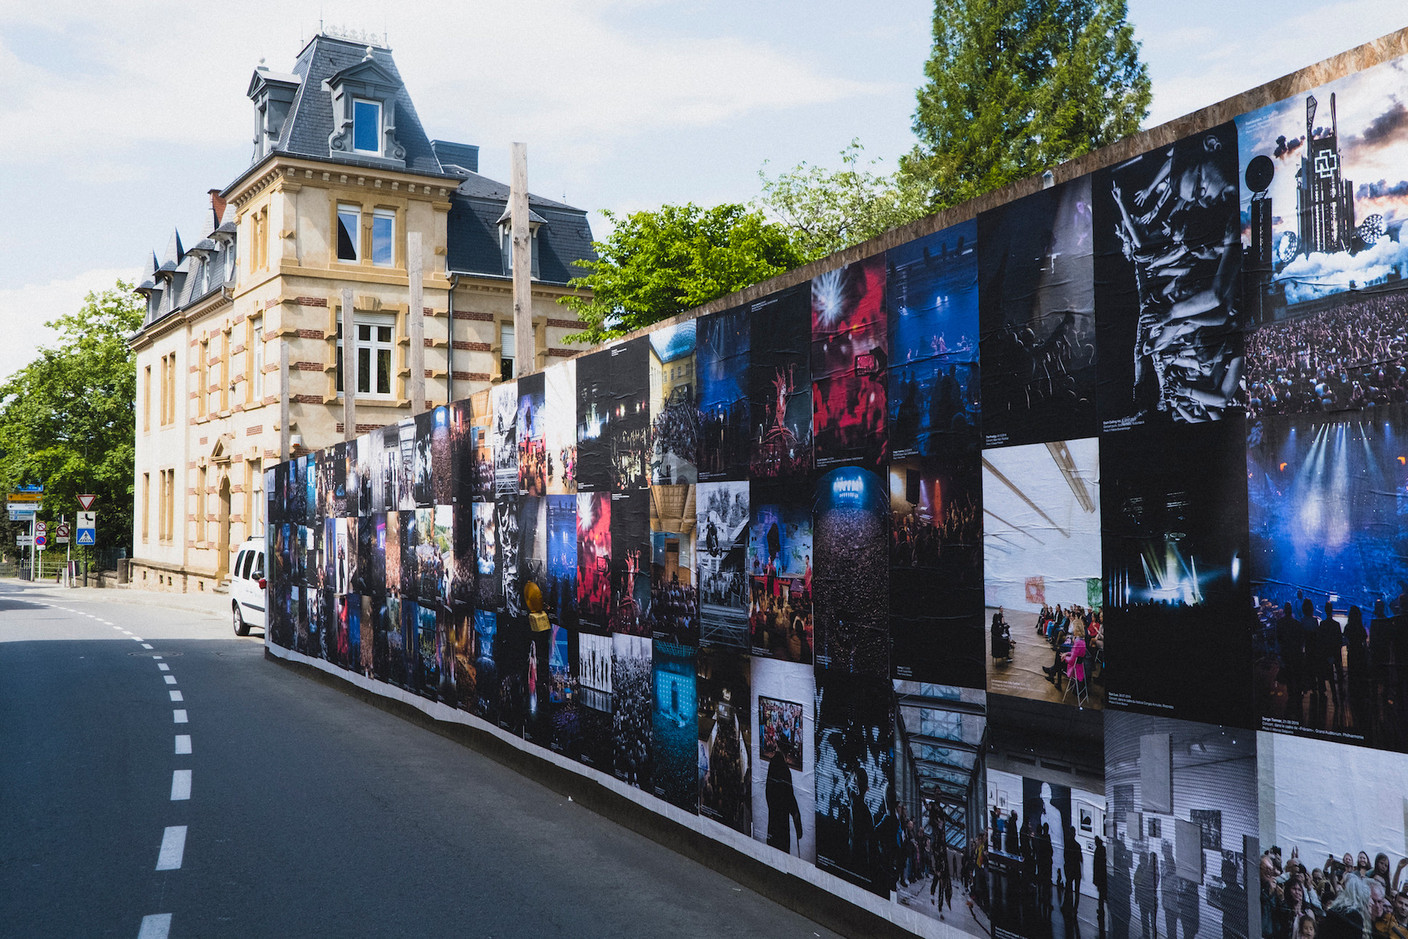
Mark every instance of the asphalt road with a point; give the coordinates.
(299, 810)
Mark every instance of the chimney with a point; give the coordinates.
(217, 206)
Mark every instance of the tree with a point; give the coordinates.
(825, 210)
(657, 264)
(66, 418)
(1018, 86)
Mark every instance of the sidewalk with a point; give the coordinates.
(213, 604)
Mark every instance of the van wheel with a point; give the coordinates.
(241, 627)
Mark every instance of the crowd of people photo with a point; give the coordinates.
(1349, 897)
(1349, 356)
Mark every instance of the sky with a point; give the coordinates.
(119, 117)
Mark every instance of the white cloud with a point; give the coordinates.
(25, 309)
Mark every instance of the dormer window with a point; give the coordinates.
(363, 98)
(366, 126)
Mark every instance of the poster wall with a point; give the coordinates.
(1043, 576)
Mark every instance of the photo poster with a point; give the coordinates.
(594, 403)
(413, 522)
(784, 756)
(1037, 317)
(594, 700)
(931, 304)
(674, 584)
(428, 653)
(404, 459)
(632, 714)
(385, 485)
(725, 734)
(780, 384)
(560, 587)
(410, 661)
(486, 670)
(1041, 550)
(560, 427)
(674, 725)
(594, 559)
(395, 643)
(1168, 255)
(463, 558)
(309, 498)
(533, 546)
(723, 343)
(460, 453)
(935, 531)
(1328, 519)
(850, 362)
(392, 553)
(1045, 778)
(364, 579)
(511, 652)
(779, 562)
(538, 721)
(940, 734)
(423, 460)
(338, 459)
(481, 424)
(856, 821)
(503, 437)
(532, 436)
(1174, 549)
(851, 599)
(459, 680)
(506, 518)
(721, 558)
(1329, 806)
(630, 563)
(1324, 195)
(374, 624)
(563, 697)
(489, 590)
(1213, 770)
(674, 405)
(628, 424)
(294, 488)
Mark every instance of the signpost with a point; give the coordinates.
(87, 529)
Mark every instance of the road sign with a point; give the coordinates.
(24, 541)
(87, 525)
(40, 527)
(26, 496)
(29, 488)
(24, 513)
(61, 533)
(41, 540)
(86, 500)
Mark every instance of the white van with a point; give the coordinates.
(247, 586)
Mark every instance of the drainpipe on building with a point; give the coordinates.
(416, 325)
(349, 367)
(450, 335)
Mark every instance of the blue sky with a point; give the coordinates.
(119, 118)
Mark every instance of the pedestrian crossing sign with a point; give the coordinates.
(85, 536)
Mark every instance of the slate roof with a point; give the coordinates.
(310, 120)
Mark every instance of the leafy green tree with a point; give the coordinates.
(827, 210)
(657, 264)
(1018, 86)
(66, 418)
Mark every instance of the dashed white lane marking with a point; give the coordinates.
(156, 658)
(125, 632)
(179, 717)
(170, 679)
(163, 666)
(138, 639)
(176, 696)
(119, 629)
(183, 743)
(173, 848)
(155, 926)
(180, 785)
(146, 645)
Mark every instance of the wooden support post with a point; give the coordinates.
(524, 346)
(349, 367)
(283, 400)
(417, 322)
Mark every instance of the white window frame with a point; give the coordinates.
(256, 359)
(389, 216)
(378, 106)
(374, 322)
(354, 211)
